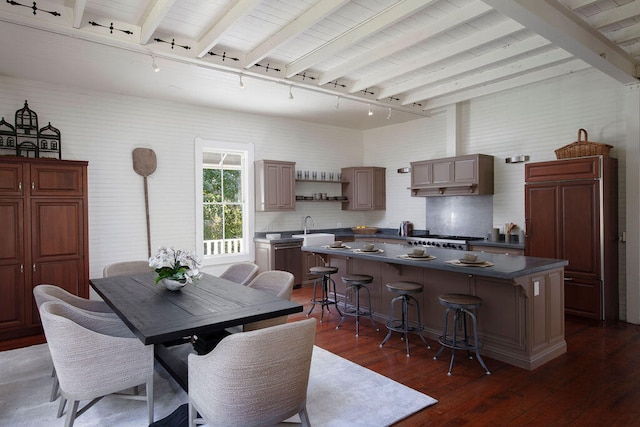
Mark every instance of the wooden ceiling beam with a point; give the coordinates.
(476, 63)
(302, 23)
(535, 77)
(495, 75)
(395, 13)
(552, 20)
(478, 39)
(236, 10)
(154, 16)
(78, 11)
(460, 17)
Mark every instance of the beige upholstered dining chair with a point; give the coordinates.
(241, 272)
(278, 283)
(126, 268)
(93, 357)
(43, 293)
(269, 386)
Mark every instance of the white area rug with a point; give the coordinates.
(341, 393)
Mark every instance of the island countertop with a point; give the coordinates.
(504, 266)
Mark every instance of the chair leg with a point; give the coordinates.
(193, 414)
(54, 388)
(304, 417)
(71, 414)
(150, 398)
(61, 406)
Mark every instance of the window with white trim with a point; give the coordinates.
(224, 211)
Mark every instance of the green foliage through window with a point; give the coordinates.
(222, 201)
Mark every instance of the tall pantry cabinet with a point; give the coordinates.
(43, 238)
(571, 213)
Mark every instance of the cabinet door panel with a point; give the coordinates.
(443, 172)
(12, 282)
(465, 171)
(580, 237)
(57, 180)
(57, 229)
(542, 222)
(363, 189)
(12, 290)
(11, 179)
(272, 184)
(421, 174)
(583, 297)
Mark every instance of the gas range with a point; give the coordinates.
(441, 241)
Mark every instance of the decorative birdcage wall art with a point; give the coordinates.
(25, 139)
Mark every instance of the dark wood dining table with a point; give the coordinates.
(204, 308)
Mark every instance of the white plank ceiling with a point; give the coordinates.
(326, 61)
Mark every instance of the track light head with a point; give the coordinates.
(370, 110)
(241, 82)
(154, 65)
(389, 115)
(290, 93)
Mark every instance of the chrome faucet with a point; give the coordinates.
(307, 218)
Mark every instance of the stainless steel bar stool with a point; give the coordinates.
(354, 283)
(402, 326)
(463, 306)
(326, 281)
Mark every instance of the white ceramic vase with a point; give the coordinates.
(172, 285)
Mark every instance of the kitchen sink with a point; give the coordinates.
(315, 239)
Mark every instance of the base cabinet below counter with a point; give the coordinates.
(280, 256)
(520, 322)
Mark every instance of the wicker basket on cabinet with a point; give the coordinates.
(583, 148)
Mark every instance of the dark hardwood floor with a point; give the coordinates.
(596, 383)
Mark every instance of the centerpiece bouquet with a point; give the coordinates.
(178, 265)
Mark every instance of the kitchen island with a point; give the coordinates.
(521, 321)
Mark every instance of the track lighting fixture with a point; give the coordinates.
(389, 115)
(241, 82)
(154, 65)
(290, 93)
(337, 102)
(370, 111)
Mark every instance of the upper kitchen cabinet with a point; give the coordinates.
(453, 176)
(365, 188)
(275, 186)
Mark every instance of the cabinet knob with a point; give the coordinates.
(20, 186)
(34, 267)
(21, 268)
(33, 185)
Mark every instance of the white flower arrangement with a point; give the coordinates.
(179, 265)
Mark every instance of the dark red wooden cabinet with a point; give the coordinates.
(43, 237)
(571, 213)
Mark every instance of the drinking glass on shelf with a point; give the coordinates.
(323, 176)
(314, 175)
(306, 174)
(299, 174)
(331, 175)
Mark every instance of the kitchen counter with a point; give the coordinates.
(504, 266)
(521, 320)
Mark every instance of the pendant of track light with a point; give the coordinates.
(370, 110)
(389, 115)
(337, 102)
(290, 93)
(154, 65)
(241, 82)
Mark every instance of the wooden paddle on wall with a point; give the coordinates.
(145, 163)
